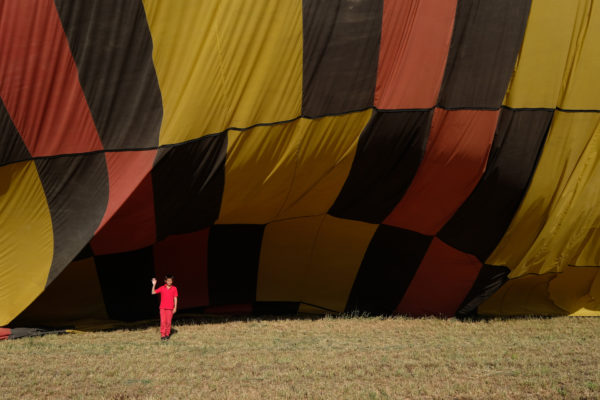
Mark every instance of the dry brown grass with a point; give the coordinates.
(330, 358)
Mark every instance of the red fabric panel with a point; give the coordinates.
(4, 333)
(229, 309)
(441, 283)
(125, 172)
(455, 158)
(415, 37)
(39, 82)
(185, 256)
(132, 227)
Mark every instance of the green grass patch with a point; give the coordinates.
(325, 358)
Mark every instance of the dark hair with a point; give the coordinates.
(169, 276)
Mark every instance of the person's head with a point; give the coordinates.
(169, 279)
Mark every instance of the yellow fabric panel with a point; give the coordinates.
(577, 290)
(574, 216)
(560, 207)
(290, 170)
(336, 257)
(581, 78)
(26, 239)
(538, 77)
(323, 163)
(527, 295)
(285, 257)
(590, 255)
(189, 71)
(73, 296)
(258, 172)
(225, 64)
(313, 260)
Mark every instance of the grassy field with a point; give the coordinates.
(329, 358)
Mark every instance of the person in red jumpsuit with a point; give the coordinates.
(168, 305)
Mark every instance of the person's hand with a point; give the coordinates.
(153, 281)
(174, 310)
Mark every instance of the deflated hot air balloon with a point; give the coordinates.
(389, 156)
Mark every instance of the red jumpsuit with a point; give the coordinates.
(167, 303)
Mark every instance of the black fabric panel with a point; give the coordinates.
(112, 47)
(489, 280)
(233, 254)
(275, 308)
(76, 189)
(188, 184)
(341, 52)
(125, 279)
(388, 267)
(12, 147)
(479, 224)
(485, 43)
(86, 252)
(389, 152)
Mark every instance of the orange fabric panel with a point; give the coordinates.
(442, 281)
(39, 82)
(4, 333)
(132, 227)
(126, 170)
(455, 158)
(415, 37)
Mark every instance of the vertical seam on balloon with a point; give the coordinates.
(376, 77)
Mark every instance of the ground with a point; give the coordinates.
(313, 358)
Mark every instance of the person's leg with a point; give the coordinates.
(168, 318)
(163, 323)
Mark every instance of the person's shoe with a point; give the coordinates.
(167, 337)
(163, 338)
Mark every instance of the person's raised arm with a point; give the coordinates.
(153, 285)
